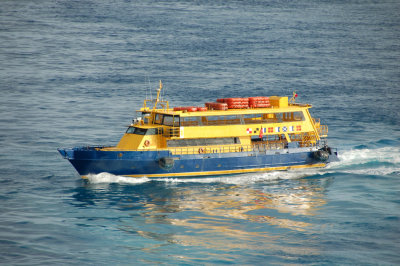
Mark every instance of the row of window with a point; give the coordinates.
(176, 121)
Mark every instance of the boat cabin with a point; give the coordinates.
(267, 125)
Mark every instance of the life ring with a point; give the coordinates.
(147, 143)
(166, 163)
(201, 150)
(321, 155)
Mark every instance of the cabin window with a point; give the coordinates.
(136, 130)
(222, 120)
(169, 120)
(152, 131)
(211, 120)
(191, 121)
(293, 116)
(146, 117)
(279, 117)
(253, 118)
(158, 119)
(141, 131)
(273, 117)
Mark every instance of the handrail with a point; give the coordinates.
(322, 130)
(261, 146)
(170, 132)
(224, 122)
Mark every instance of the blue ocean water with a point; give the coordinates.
(73, 73)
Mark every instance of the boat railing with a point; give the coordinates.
(258, 147)
(205, 150)
(243, 121)
(321, 129)
(170, 132)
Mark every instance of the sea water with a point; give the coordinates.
(73, 73)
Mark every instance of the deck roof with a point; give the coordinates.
(290, 108)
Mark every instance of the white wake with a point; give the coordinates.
(380, 161)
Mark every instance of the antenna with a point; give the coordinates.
(145, 81)
(158, 96)
(293, 99)
(163, 93)
(151, 95)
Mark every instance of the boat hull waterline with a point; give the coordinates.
(90, 160)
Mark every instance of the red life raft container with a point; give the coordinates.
(202, 109)
(235, 103)
(217, 106)
(186, 108)
(259, 102)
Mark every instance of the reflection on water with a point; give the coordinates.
(220, 217)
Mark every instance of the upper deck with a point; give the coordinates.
(230, 121)
(185, 118)
(272, 109)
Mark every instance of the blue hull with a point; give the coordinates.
(89, 160)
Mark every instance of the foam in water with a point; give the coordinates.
(247, 178)
(361, 156)
(381, 161)
(110, 178)
(376, 171)
(107, 178)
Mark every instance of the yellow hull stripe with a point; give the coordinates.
(227, 172)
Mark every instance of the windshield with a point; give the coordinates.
(142, 131)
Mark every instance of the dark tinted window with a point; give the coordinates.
(170, 120)
(190, 121)
(151, 131)
(142, 131)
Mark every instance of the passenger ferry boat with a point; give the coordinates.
(229, 136)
